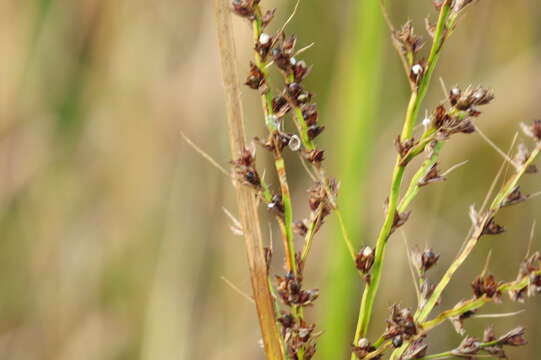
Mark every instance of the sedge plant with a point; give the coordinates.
(292, 125)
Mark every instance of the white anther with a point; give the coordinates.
(264, 38)
(367, 251)
(416, 69)
(363, 343)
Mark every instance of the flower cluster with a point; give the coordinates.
(487, 286)
(363, 348)
(400, 325)
(298, 335)
(244, 170)
(529, 268)
(458, 118)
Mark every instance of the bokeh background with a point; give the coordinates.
(113, 239)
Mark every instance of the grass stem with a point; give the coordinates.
(245, 198)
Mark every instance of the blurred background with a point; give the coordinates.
(113, 241)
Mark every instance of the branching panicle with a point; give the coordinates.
(406, 330)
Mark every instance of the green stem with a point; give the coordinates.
(416, 99)
(279, 164)
(300, 123)
(310, 234)
(370, 290)
(414, 186)
(345, 233)
(448, 354)
(440, 35)
(496, 204)
(470, 305)
(506, 190)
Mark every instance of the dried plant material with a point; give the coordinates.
(315, 156)
(514, 337)
(320, 200)
(365, 259)
(268, 17)
(300, 228)
(400, 323)
(427, 289)
(459, 5)
(487, 286)
(280, 106)
(244, 170)
(495, 350)
(237, 289)
(290, 291)
(408, 43)
(521, 157)
(458, 321)
(495, 147)
(405, 331)
(276, 205)
(533, 131)
(402, 147)
(298, 335)
(416, 350)
(205, 155)
(433, 176)
(245, 8)
(424, 260)
(255, 79)
(468, 347)
(245, 199)
(492, 228)
(514, 197)
(363, 348)
(529, 268)
(400, 219)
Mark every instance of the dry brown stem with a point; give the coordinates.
(245, 198)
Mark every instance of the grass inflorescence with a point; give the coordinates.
(283, 297)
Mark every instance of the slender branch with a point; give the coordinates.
(478, 233)
(382, 345)
(315, 223)
(440, 35)
(245, 199)
(345, 233)
(416, 99)
(506, 190)
(266, 102)
(414, 186)
(309, 145)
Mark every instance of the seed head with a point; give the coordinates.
(533, 131)
(425, 260)
(469, 346)
(488, 287)
(365, 259)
